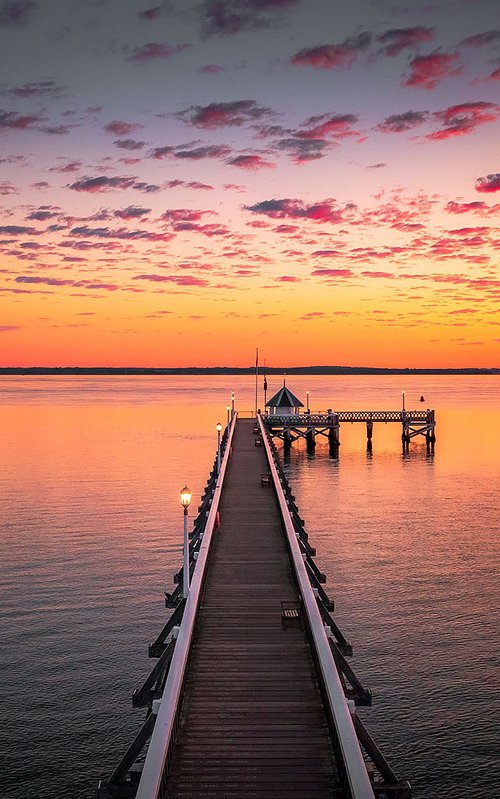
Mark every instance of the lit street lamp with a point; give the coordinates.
(219, 428)
(228, 409)
(232, 404)
(185, 500)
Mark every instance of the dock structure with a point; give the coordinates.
(291, 426)
(252, 694)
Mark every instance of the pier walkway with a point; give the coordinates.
(251, 695)
(252, 722)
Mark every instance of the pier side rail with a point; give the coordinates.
(153, 778)
(305, 419)
(353, 763)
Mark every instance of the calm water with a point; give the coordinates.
(90, 470)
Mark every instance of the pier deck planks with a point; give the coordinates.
(252, 719)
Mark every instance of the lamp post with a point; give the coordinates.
(403, 398)
(185, 500)
(232, 404)
(228, 409)
(219, 428)
(307, 401)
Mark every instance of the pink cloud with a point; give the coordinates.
(211, 69)
(18, 230)
(332, 273)
(153, 50)
(429, 70)
(175, 215)
(120, 233)
(333, 56)
(6, 188)
(179, 280)
(458, 120)
(481, 39)
(219, 115)
(227, 17)
(400, 123)
(71, 166)
(132, 212)
(252, 162)
(149, 14)
(396, 40)
(16, 14)
(477, 206)
(283, 228)
(192, 184)
(488, 184)
(191, 153)
(129, 144)
(41, 88)
(10, 119)
(103, 183)
(119, 128)
(337, 126)
(294, 209)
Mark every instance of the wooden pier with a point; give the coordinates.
(251, 695)
(290, 427)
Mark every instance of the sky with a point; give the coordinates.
(181, 183)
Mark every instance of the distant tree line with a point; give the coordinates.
(236, 370)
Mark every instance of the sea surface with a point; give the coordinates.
(91, 534)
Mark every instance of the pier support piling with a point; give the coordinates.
(311, 440)
(333, 438)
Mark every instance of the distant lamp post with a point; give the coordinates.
(228, 409)
(232, 405)
(403, 398)
(185, 500)
(219, 428)
(307, 402)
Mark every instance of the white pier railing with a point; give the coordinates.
(346, 742)
(152, 780)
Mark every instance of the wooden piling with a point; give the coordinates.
(310, 440)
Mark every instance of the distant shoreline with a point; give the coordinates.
(235, 370)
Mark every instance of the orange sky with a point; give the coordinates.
(194, 186)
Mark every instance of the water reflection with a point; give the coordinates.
(91, 534)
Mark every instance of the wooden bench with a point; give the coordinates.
(258, 442)
(290, 613)
(265, 479)
(256, 429)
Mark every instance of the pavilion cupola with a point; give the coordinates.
(284, 403)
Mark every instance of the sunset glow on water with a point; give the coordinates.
(91, 532)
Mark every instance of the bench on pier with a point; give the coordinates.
(265, 479)
(256, 429)
(258, 442)
(290, 613)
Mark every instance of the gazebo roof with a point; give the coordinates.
(284, 399)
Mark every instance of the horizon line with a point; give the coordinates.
(270, 370)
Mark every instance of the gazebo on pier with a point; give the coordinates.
(284, 403)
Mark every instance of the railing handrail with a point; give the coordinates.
(154, 765)
(350, 416)
(357, 775)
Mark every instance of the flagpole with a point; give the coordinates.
(265, 388)
(256, 376)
